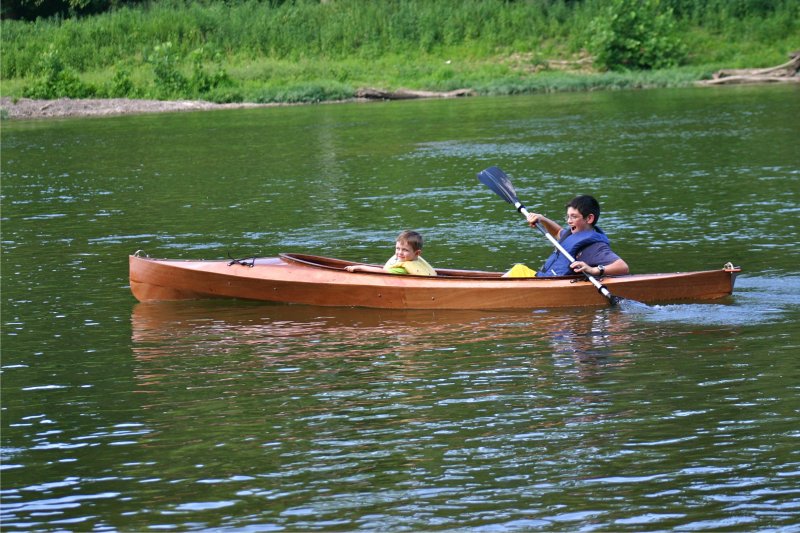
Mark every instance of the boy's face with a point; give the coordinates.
(404, 252)
(578, 222)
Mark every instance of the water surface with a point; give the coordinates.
(246, 416)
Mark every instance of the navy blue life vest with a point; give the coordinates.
(557, 264)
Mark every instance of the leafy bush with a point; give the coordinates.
(121, 85)
(169, 80)
(202, 82)
(56, 80)
(635, 34)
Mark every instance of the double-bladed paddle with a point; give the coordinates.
(497, 181)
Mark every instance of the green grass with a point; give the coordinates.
(306, 51)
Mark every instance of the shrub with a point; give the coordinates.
(169, 80)
(635, 34)
(55, 80)
(121, 85)
(202, 82)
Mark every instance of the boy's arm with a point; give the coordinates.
(363, 268)
(617, 268)
(552, 227)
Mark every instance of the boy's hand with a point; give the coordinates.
(533, 219)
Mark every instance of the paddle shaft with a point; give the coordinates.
(600, 287)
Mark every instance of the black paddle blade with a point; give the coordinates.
(497, 181)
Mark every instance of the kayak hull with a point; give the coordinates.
(314, 280)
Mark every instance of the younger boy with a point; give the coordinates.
(407, 258)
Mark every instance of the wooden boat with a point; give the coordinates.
(314, 280)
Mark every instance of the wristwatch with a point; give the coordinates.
(602, 270)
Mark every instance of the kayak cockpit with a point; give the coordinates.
(339, 264)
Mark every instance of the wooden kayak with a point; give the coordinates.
(314, 280)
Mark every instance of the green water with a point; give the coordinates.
(240, 416)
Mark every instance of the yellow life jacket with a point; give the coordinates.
(417, 267)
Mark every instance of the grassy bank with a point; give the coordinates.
(310, 51)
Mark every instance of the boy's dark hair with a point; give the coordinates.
(586, 205)
(413, 239)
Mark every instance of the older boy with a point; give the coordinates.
(586, 242)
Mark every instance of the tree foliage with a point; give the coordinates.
(34, 9)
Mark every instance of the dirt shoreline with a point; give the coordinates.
(26, 108)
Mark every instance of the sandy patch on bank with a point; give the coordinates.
(25, 108)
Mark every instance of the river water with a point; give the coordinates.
(251, 417)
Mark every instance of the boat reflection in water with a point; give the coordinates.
(286, 332)
(302, 363)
